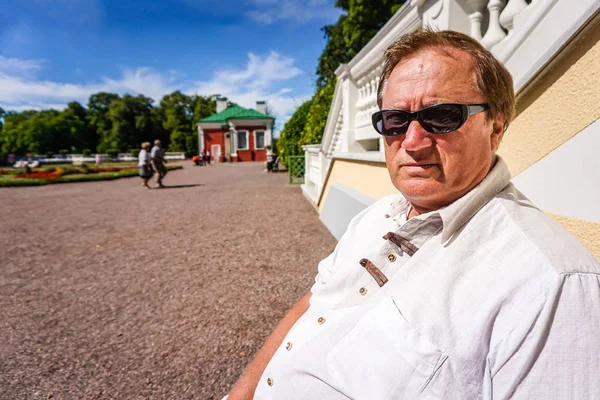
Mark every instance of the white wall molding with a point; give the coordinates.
(567, 181)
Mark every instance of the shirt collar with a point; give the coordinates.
(455, 215)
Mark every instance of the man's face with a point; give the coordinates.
(433, 170)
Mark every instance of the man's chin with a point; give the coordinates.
(419, 189)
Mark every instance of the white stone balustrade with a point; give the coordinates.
(367, 97)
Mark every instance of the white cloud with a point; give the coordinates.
(270, 11)
(257, 81)
(19, 92)
(19, 67)
(263, 77)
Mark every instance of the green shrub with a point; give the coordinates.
(112, 153)
(49, 154)
(317, 115)
(63, 152)
(288, 143)
(86, 152)
(133, 152)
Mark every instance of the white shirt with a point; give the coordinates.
(156, 153)
(496, 302)
(143, 158)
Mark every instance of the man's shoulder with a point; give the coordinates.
(530, 230)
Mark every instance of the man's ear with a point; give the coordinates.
(497, 133)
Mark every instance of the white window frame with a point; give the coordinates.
(238, 140)
(264, 132)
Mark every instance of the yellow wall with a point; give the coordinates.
(561, 103)
(369, 178)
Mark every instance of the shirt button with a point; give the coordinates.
(288, 346)
(392, 257)
(270, 381)
(362, 291)
(321, 320)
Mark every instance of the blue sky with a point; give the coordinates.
(56, 51)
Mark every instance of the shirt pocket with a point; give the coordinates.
(383, 357)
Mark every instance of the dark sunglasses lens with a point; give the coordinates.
(442, 119)
(393, 123)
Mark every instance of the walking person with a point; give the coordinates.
(144, 164)
(158, 162)
(208, 157)
(270, 159)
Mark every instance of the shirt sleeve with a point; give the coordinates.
(558, 356)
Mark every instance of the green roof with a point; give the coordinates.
(235, 112)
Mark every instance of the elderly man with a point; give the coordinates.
(158, 162)
(457, 288)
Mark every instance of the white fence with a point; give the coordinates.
(80, 158)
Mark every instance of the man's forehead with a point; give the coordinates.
(443, 60)
(433, 75)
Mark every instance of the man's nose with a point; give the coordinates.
(416, 138)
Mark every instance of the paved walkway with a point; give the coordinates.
(109, 290)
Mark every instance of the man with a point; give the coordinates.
(457, 288)
(158, 162)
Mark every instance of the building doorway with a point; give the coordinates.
(215, 152)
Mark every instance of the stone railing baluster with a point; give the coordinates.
(512, 9)
(495, 33)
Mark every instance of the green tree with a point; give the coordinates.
(364, 19)
(12, 140)
(288, 143)
(317, 114)
(82, 136)
(98, 120)
(177, 119)
(132, 122)
(334, 54)
(179, 114)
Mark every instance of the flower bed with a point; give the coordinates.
(44, 176)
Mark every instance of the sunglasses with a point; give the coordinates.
(439, 118)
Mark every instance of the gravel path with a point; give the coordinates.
(111, 291)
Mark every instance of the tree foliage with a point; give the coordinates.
(317, 114)
(334, 54)
(109, 122)
(289, 140)
(344, 39)
(364, 19)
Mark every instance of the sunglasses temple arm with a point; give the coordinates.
(475, 109)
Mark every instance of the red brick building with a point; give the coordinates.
(236, 133)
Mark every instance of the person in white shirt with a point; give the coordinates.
(457, 287)
(157, 156)
(145, 169)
